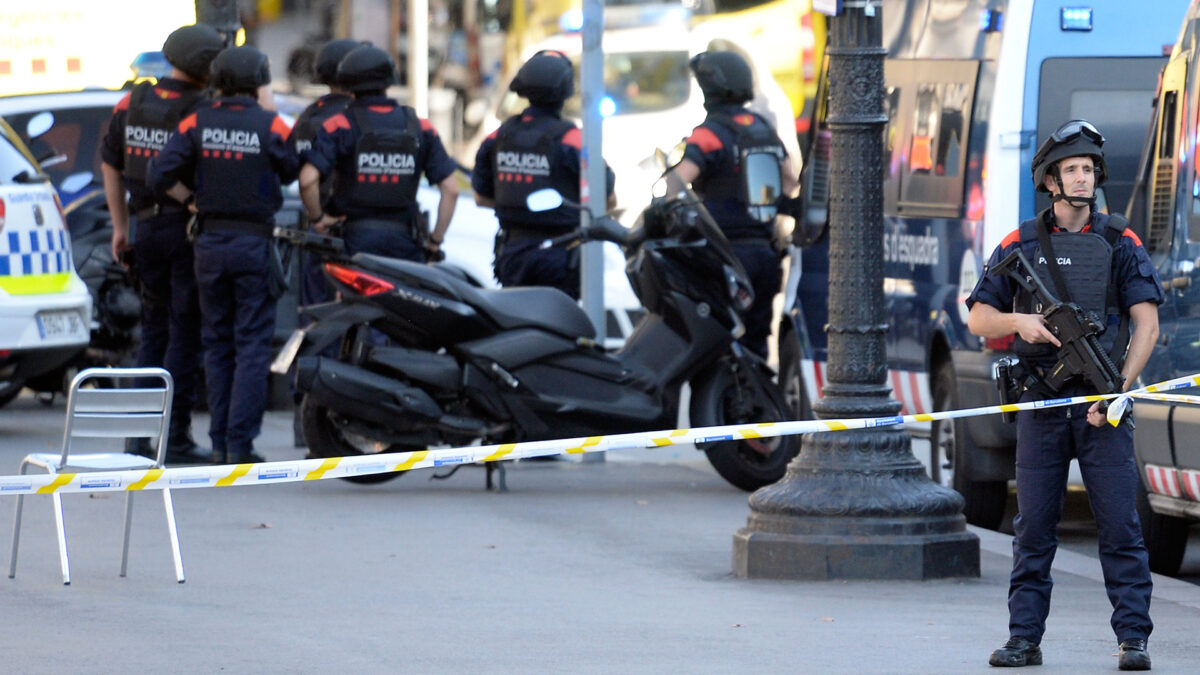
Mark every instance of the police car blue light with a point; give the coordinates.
(608, 107)
(1076, 18)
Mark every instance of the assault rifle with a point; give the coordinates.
(1077, 330)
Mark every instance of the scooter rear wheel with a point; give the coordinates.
(326, 437)
(732, 397)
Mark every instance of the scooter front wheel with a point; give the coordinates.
(327, 436)
(734, 394)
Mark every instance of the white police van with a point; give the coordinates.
(45, 309)
(972, 87)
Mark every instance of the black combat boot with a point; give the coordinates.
(1132, 655)
(1017, 652)
(181, 449)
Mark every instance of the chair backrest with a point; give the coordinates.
(124, 403)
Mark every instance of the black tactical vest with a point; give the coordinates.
(234, 176)
(524, 160)
(150, 122)
(751, 142)
(385, 173)
(1086, 262)
(305, 131)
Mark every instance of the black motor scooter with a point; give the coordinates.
(463, 365)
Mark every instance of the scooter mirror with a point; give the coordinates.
(546, 199)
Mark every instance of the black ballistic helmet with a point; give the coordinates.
(547, 78)
(366, 68)
(192, 48)
(328, 58)
(724, 77)
(1077, 138)
(240, 70)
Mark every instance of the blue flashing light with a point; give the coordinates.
(608, 107)
(150, 65)
(571, 21)
(991, 21)
(1076, 18)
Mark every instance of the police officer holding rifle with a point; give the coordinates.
(1080, 295)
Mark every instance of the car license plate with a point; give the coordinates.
(283, 361)
(57, 325)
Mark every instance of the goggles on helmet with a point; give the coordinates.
(1076, 128)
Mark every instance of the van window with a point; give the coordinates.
(1115, 94)
(12, 162)
(935, 137)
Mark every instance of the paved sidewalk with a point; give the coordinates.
(621, 566)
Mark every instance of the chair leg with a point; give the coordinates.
(62, 539)
(12, 564)
(169, 506)
(128, 522)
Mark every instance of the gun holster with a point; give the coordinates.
(1005, 373)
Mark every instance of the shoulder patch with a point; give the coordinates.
(704, 138)
(744, 119)
(335, 122)
(188, 123)
(573, 138)
(280, 126)
(426, 125)
(1132, 235)
(1012, 238)
(123, 104)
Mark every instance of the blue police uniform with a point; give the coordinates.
(235, 156)
(534, 150)
(376, 173)
(1048, 439)
(711, 147)
(141, 123)
(314, 288)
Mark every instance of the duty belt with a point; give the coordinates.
(159, 210)
(210, 224)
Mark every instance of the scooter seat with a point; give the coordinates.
(521, 307)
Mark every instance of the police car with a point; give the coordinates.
(45, 308)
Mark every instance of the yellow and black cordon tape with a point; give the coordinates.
(267, 473)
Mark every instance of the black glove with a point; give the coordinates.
(790, 206)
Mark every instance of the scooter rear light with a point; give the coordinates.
(360, 282)
(1003, 344)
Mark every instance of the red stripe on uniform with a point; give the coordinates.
(705, 139)
(573, 138)
(338, 121)
(817, 375)
(280, 126)
(187, 124)
(1012, 238)
(123, 104)
(1132, 235)
(426, 125)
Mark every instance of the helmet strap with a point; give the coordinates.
(1077, 202)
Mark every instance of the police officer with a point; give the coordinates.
(717, 162)
(141, 123)
(1085, 246)
(376, 150)
(227, 162)
(313, 286)
(534, 150)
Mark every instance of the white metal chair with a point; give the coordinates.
(111, 410)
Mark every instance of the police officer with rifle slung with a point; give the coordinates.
(313, 286)
(161, 254)
(228, 162)
(724, 161)
(1105, 281)
(376, 149)
(533, 150)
